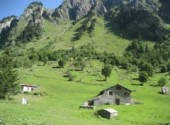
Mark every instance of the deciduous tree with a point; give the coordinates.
(106, 71)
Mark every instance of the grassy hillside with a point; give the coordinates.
(59, 37)
(61, 103)
(94, 42)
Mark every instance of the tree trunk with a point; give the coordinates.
(105, 79)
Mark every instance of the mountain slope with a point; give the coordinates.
(129, 19)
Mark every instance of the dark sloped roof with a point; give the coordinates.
(114, 87)
(122, 87)
(27, 85)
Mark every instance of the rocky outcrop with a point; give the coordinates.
(73, 9)
(33, 12)
(6, 25)
(30, 22)
(76, 9)
(7, 22)
(33, 15)
(47, 14)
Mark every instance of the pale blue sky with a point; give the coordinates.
(16, 7)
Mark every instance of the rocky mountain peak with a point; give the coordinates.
(73, 9)
(34, 10)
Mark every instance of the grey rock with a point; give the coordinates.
(7, 22)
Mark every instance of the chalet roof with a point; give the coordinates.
(101, 93)
(120, 86)
(27, 85)
(110, 110)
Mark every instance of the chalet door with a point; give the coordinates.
(117, 101)
(91, 103)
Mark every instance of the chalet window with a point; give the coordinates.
(125, 93)
(110, 93)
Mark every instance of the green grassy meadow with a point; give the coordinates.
(60, 105)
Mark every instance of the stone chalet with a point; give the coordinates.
(114, 95)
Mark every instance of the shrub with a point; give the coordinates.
(143, 76)
(162, 81)
(147, 68)
(106, 71)
(61, 63)
(163, 68)
(71, 77)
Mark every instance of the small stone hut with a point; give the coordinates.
(114, 95)
(107, 113)
(28, 88)
(165, 90)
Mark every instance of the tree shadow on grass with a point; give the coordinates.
(113, 26)
(135, 79)
(87, 83)
(160, 93)
(101, 80)
(136, 84)
(56, 67)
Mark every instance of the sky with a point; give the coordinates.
(17, 7)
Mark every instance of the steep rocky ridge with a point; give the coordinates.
(33, 11)
(143, 18)
(76, 9)
(6, 25)
(33, 15)
(7, 22)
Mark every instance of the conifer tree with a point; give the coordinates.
(8, 76)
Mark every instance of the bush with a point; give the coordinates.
(61, 63)
(146, 67)
(34, 57)
(162, 81)
(71, 77)
(143, 76)
(79, 64)
(163, 68)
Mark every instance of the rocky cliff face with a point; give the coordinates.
(73, 9)
(11, 28)
(137, 17)
(33, 12)
(7, 22)
(6, 25)
(76, 9)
